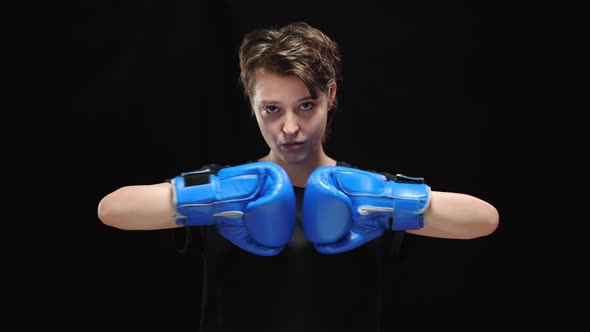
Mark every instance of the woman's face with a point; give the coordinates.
(290, 120)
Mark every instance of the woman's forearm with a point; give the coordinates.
(140, 207)
(458, 216)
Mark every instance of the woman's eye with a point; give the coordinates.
(270, 109)
(307, 106)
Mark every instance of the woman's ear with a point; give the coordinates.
(332, 94)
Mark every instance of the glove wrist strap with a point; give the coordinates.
(411, 199)
(187, 197)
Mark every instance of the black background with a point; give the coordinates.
(477, 98)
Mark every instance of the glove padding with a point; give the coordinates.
(253, 205)
(344, 207)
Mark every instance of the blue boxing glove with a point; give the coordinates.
(344, 207)
(252, 205)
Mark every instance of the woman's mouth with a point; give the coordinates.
(292, 146)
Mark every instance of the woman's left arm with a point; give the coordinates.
(458, 216)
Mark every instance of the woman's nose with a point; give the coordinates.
(290, 126)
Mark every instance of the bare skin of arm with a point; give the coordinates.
(139, 207)
(458, 216)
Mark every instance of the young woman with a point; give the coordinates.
(290, 76)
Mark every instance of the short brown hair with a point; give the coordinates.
(295, 49)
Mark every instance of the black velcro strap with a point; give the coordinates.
(197, 178)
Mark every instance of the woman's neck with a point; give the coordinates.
(300, 172)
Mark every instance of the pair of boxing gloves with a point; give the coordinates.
(254, 206)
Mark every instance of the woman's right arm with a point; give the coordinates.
(139, 207)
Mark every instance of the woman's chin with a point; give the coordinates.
(293, 157)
